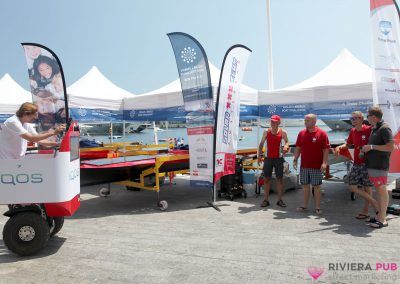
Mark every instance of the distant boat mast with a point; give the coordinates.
(269, 43)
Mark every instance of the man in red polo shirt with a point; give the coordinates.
(273, 138)
(358, 176)
(313, 145)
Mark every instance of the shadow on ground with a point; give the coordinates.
(125, 202)
(54, 244)
(339, 210)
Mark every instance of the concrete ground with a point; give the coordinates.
(125, 238)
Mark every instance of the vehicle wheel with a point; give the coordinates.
(163, 205)
(131, 188)
(104, 192)
(57, 224)
(26, 233)
(353, 196)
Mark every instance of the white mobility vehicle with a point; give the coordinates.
(40, 190)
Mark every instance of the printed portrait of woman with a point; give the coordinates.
(44, 69)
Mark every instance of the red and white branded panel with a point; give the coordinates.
(201, 155)
(385, 31)
(227, 131)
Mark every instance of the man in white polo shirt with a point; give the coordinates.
(18, 130)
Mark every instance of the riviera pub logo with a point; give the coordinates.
(315, 272)
(340, 270)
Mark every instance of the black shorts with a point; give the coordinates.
(359, 176)
(273, 163)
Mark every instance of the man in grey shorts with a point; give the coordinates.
(313, 145)
(380, 145)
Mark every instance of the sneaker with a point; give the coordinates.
(265, 203)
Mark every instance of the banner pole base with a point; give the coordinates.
(213, 205)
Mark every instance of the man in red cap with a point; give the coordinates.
(274, 158)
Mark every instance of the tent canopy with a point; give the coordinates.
(12, 95)
(95, 98)
(166, 103)
(341, 87)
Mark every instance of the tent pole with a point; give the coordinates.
(111, 132)
(123, 135)
(123, 129)
(155, 133)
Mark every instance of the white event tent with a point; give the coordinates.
(341, 87)
(166, 103)
(94, 98)
(12, 95)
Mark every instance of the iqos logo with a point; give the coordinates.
(73, 174)
(15, 179)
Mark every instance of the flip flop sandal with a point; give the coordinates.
(378, 225)
(301, 209)
(265, 203)
(281, 203)
(361, 216)
(318, 211)
(372, 219)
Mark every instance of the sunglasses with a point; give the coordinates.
(354, 118)
(369, 115)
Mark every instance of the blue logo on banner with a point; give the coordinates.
(271, 109)
(193, 70)
(385, 27)
(82, 112)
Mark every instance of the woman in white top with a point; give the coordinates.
(18, 130)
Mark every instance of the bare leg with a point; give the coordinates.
(367, 196)
(306, 192)
(317, 196)
(383, 201)
(279, 188)
(267, 184)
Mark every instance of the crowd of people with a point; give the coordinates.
(372, 146)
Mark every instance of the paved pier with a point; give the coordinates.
(125, 238)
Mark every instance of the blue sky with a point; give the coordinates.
(126, 39)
